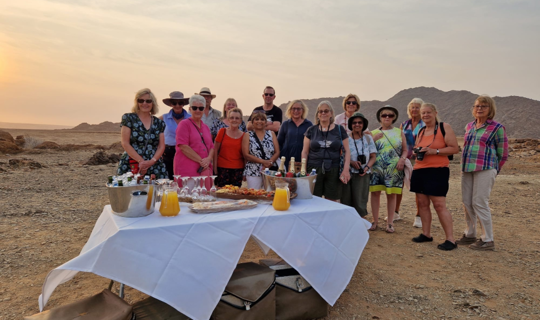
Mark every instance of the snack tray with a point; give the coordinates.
(251, 204)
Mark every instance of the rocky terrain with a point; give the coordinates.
(50, 199)
(454, 108)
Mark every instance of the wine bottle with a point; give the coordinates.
(303, 168)
(290, 174)
(282, 167)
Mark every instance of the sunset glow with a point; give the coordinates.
(92, 56)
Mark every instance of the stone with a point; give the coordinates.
(7, 147)
(48, 145)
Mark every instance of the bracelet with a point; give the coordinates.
(154, 159)
(437, 151)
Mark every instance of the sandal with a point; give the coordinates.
(389, 228)
(447, 246)
(422, 238)
(373, 226)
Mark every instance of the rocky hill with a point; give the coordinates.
(520, 115)
(106, 126)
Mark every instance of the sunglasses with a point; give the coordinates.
(481, 107)
(197, 108)
(296, 109)
(386, 115)
(351, 102)
(143, 101)
(357, 123)
(324, 111)
(268, 94)
(176, 103)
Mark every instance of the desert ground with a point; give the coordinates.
(47, 214)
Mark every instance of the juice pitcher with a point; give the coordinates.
(169, 202)
(282, 197)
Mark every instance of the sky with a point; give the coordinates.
(64, 62)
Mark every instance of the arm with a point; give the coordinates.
(305, 148)
(190, 153)
(276, 148)
(217, 145)
(274, 126)
(501, 143)
(345, 175)
(125, 134)
(371, 162)
(249, 126)
(403, 156)
(145, 165)
(451, 143)
(205, 162)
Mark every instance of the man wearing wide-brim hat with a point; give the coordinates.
(177, 113)
(210, 114)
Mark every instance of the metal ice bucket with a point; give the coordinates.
(133, 201)
(303, 186)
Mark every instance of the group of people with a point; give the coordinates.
(353, 163)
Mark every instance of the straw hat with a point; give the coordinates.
(206, 92)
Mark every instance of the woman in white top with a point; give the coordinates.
(363, 155)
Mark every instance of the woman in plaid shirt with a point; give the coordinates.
(485, 151)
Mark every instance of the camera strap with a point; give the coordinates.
(419, 138)
(361, 138)
(399, 156)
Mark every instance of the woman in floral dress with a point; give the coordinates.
(142, 138)
(388, 168)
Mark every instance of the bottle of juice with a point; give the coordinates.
(150, 196)
(282, 197)
(170, 206)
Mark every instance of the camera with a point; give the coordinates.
(419, 155)
(361, 158)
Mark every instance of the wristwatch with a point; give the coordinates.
(437, 151)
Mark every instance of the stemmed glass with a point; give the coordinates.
(195, 191)
(176, 176)
(203, 190)
(213, 190)
(185, 189)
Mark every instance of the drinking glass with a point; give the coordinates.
(203, 190)
(185, 189)
(213, 189)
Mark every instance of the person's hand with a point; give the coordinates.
(142, 172)
(368, 133)
(356, 164)
(244, 178)
(378, 136)
(205, 162)
(266, 163)
(345, 176)
(146, 164)
(401, 164)
(215, 171)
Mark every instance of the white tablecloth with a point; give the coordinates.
(186, 261)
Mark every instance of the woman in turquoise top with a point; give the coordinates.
(410, 128)
(177, 113)
(387, 172)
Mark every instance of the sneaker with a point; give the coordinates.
(396, 217)
(466, 240)
(481, 245)
(417, 222)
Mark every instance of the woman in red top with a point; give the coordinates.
(228, 159)
(431, 173)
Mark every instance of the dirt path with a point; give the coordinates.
(46, 216)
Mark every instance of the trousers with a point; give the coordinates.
(475, 190)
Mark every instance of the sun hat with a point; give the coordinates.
(388, 107)
(206, 92)
(176, 95)
(358, 115)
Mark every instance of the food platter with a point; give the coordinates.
(222, 206)
(232, 192)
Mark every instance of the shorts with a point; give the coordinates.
(430, 181)
(327, 184)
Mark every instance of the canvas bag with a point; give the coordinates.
(249, 295)
(295, 297)
(103, 306)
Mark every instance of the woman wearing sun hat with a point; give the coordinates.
(177, 113)
(387, 172)
(363, 154)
